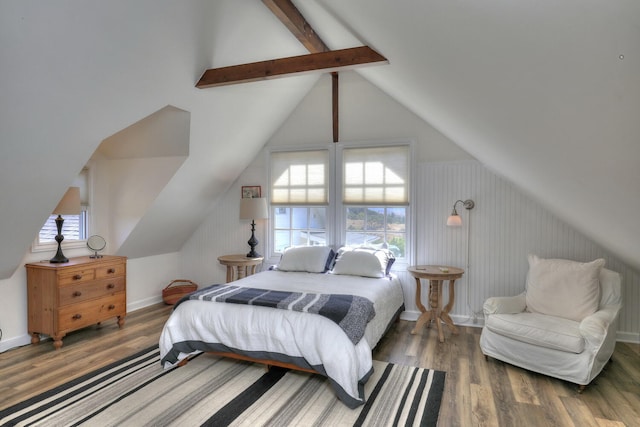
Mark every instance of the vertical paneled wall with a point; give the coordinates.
(496, 237)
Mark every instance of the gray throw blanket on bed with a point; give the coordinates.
(350, 312)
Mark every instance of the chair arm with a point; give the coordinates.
(504, 305)
(594, 327)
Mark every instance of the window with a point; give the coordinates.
(75, 228)
(299, 196)
(379, 227)
(300, 177)
(373, 207)
(375, 194)
(296, 226)
(375, 175)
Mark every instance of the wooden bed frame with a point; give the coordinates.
(266, 362)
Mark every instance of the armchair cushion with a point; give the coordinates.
(563, 288)
(504, 305)
(540, 330)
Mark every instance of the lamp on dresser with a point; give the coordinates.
(253, 208)
(69, 205)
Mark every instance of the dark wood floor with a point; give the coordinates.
(477, 392)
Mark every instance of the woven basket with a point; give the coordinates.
(176, 290)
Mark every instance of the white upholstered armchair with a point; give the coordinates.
(563, 325)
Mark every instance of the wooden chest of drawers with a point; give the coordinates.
(68, 296)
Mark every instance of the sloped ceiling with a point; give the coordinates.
(545, 93)
(76, 72)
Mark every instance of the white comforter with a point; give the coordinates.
(272, 333)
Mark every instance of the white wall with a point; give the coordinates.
(506, 225)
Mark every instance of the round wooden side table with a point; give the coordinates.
(436, 275)
(239, 266)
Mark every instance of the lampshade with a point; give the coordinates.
(454, 221)
(70, 203)
(253, 208)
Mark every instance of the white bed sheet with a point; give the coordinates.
(321, 342)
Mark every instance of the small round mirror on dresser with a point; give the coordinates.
(96, 244)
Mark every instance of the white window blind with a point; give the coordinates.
(376, 175)
(300, 177)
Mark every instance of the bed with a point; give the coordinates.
(294, 338)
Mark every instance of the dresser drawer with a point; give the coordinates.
(78, 292)
(76, 275)
(91, 312)
(112, 270)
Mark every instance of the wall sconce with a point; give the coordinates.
(454, 219)
(69, 205)
(253, 208)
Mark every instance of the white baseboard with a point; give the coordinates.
(632, 337)
(137, 305)
(412, 316)
(14, 342)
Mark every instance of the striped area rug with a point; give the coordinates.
(214, 391)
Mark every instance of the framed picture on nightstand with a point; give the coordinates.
(251, 192)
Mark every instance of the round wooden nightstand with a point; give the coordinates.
(436, 275)
(239, 266)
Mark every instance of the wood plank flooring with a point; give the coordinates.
(477, 392)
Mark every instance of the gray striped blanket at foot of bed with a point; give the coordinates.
(350, 312)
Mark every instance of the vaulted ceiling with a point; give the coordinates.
(545, 93)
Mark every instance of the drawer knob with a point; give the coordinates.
(77, 293)
(111, 286)
(77, 316)
(77, 277)
(111, 307)
(111, 271)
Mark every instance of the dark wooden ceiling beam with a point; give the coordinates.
(330, 61)
(291, 17)
(297, 24)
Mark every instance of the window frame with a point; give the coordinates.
(336, 214)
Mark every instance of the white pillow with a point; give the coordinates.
(385, 257)
(356, 263)
(312, 259)
(563, 288)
